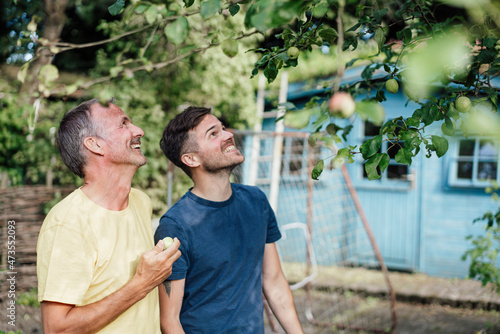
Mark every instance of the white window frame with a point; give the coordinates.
(474, 182)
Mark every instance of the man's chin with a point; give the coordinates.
(142, 162)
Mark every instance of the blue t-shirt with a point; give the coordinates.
(222, 245)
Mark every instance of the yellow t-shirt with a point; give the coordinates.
(86, 252)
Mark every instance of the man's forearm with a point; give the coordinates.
(280, 299)
(64, 318)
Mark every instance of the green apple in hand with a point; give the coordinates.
(167, 242)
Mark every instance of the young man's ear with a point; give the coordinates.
(92, 144)
(190, 159)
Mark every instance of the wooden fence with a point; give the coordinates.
(22, 207)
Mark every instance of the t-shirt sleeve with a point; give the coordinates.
(273, 232)
(65, 262)
(170, 228)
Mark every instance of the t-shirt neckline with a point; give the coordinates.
(97, 206)
(207, 202)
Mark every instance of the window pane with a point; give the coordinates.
(487, 170)
(371, 129)
(464, 170)
(393, 150)
(295, 166)
(487, 149)
(466, 148)
(397, 172)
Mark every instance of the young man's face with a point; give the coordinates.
(216, 148)
(121, 138)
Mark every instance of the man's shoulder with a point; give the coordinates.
(74, 199)
(140, 195)
(66, 212)
(246, 190)
(178, 207)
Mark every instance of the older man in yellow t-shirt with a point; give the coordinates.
(96, 269)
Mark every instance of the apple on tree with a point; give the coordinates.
(293, 52)
(392, 86)
(341, 105)
(462, 104)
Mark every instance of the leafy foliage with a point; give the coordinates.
(484, 253)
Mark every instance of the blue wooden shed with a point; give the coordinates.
(420, 215)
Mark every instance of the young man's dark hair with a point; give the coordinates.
(175, 140)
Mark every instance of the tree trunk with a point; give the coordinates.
(54, 23)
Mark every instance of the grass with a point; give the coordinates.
(29, 298)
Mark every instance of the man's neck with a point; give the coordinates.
(214, 187)
(110, 192)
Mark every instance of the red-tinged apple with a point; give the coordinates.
(341, 105)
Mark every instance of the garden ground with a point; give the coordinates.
(424, 304)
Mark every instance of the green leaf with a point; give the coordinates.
(115, 8)
(487, 56)
(412, 121)
(68, 90)
(324, 118)
(327, 33)
(261, 21)
(371, 146)
(343, 152)
(372, 111)
(404, 35)
(346, 130)
(230, 47)
(151, 14)
(429, 113)
(453, 113)
(209, 8)
(48, 73)
(440, 145)
(337, 162)
(32, 25)
(297, 119)
(177, 31)
(114, 71)
(23, 71)
(489, 42)
(379, 38)
(354, 27)
(188, 3)
(320, 10)
(318, 169)
(404, 156)
(233, 9)
(379, 161)
(379, 14)
(270, 72)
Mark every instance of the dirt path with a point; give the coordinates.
(412, 319)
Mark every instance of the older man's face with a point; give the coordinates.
(122, 138)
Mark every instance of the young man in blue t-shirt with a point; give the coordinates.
(227, 233)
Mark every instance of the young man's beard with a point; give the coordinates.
(218, 169)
